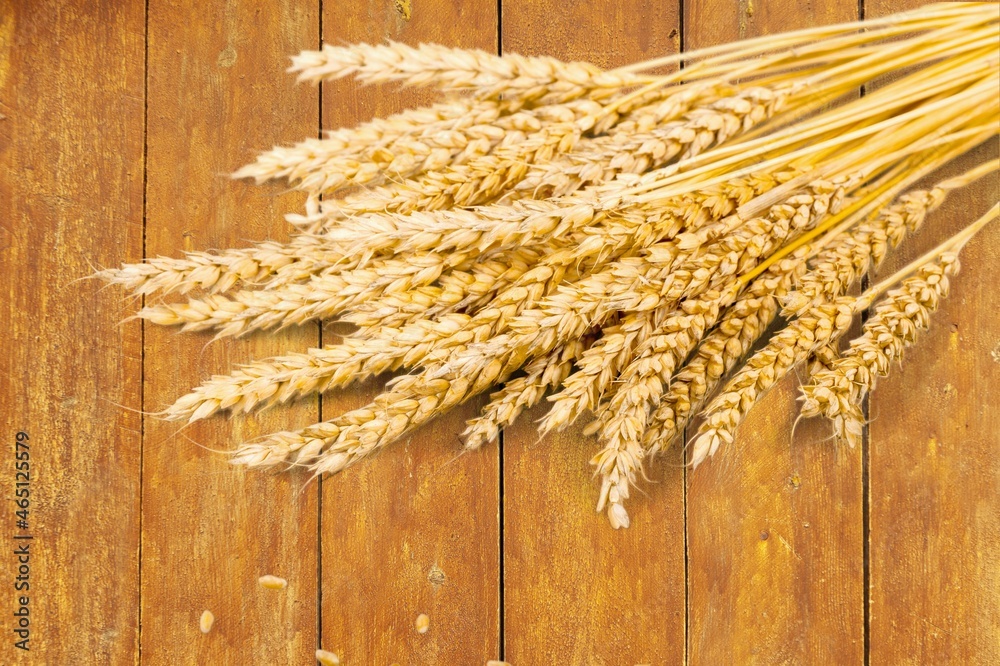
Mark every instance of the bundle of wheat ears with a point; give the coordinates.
(613, 243)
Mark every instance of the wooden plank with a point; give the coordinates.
(71, 133)
(576, 591)
(217, 95)
(775, 524)
(933, 467)
(412, 531)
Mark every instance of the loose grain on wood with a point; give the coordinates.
(71, 198)
(575, 590)
(210, 530)
(775, 525)
(414, 530)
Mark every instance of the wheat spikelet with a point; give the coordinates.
(444, 163)
(212, 272)
(623, 418)
(268, 263)
(822, 359)
(323, 295)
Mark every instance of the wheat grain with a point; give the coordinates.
(327, 658)
(272, 582)
(206, 621)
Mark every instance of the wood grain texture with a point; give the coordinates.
(216, 97)
(413, 530)
(775, 523)
(575, 590)
(71, 198)
(933, 465)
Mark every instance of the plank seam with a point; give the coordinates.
(681, 35)
(319, 398)
(142, 322)
(500, 446)
(865, 478)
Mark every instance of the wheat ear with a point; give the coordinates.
(538, 79)
(399, 146)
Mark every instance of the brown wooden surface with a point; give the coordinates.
(576, 591)
(759, 557)
(71, 198)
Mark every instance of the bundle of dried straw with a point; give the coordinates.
(619, 240)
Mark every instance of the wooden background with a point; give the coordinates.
(120, 121)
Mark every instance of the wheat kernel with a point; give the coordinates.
(327, 658)
(206, 621)
(272, 582)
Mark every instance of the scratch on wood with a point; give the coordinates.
(436, 576)
(788, 546)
